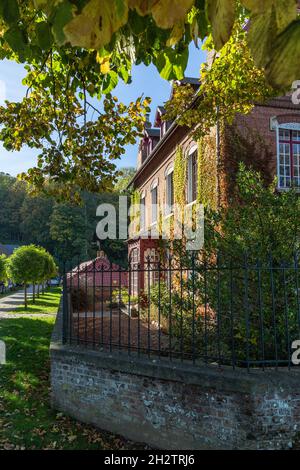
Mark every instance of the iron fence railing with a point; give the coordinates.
(237, 313)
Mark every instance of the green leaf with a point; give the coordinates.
(167, 13)
(16, 39)
(123, 73)
(62, 16)
(221, 14)
(9, 11)
(171, 64)
(283, 67)
(44, 35)
(267, 21)
(110, 82)
(94, 26)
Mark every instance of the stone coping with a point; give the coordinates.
(208, 376)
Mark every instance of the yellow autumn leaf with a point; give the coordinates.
(176, 33)
(167, 13)
(95, 25)
(143, 7)
(221, 14)
(283, 67)
(266, 25)
(104, 65)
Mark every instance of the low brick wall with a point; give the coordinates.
(175, 406)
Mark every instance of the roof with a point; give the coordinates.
(190, 81)
(7, 249)
(98, 272)
(161, 109)
(152, 132)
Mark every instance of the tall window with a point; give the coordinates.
(154, 205)
(143, 214)
(134, 260)
(192, 176)
(289, 158)
(169, 192)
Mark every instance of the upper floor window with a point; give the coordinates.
(154, 209)
(143, 213)
(169, 191)
(163, 128)
(289, 156)
(192, 175)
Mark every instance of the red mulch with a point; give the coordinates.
(118, 332)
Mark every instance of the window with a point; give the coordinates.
(143, 213)
(192, 176)
(163, 128)
(289, 157)
(169, 192)
(154, 205)
(134, 262)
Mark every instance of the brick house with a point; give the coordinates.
(268, 140)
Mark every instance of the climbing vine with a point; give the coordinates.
(231, 84)
(134, 215)
(207, 172)
(179, 177)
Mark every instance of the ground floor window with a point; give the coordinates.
(288, 158)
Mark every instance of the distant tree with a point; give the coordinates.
(68, 230)
(25, 266)
(124, 179)
(3, 274)
(35, 213)
(12, 194)
(49, 269)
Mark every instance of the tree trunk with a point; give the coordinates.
(25, 295)
(38, 290)
(33, 293)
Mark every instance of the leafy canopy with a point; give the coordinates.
(158, 31)
(231, 84)
(77, 141)
(76, 50)
(28, 264)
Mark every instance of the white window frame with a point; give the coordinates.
(291, 126)
(190, 199)
(143, 212)
(168, 175)
(154, 208)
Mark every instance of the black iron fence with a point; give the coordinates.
(237, 313)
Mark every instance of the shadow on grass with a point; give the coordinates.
(27, 421)
(46, 303)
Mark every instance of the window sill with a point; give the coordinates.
(192, 203)
(283, 190)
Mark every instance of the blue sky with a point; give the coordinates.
(146, 80)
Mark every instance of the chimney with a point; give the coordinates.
(148, 123)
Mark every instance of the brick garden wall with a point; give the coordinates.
(175, 406)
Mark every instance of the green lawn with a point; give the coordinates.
(26, 419)
(46, 303)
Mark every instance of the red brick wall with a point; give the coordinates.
(252, 141)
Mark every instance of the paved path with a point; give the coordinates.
(12, 301)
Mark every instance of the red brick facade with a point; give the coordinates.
(252, 139)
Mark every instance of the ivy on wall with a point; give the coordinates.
(179, 178)
(207, 172)
(135, 212)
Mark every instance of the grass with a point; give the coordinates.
(46, 303)
(26, 418)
